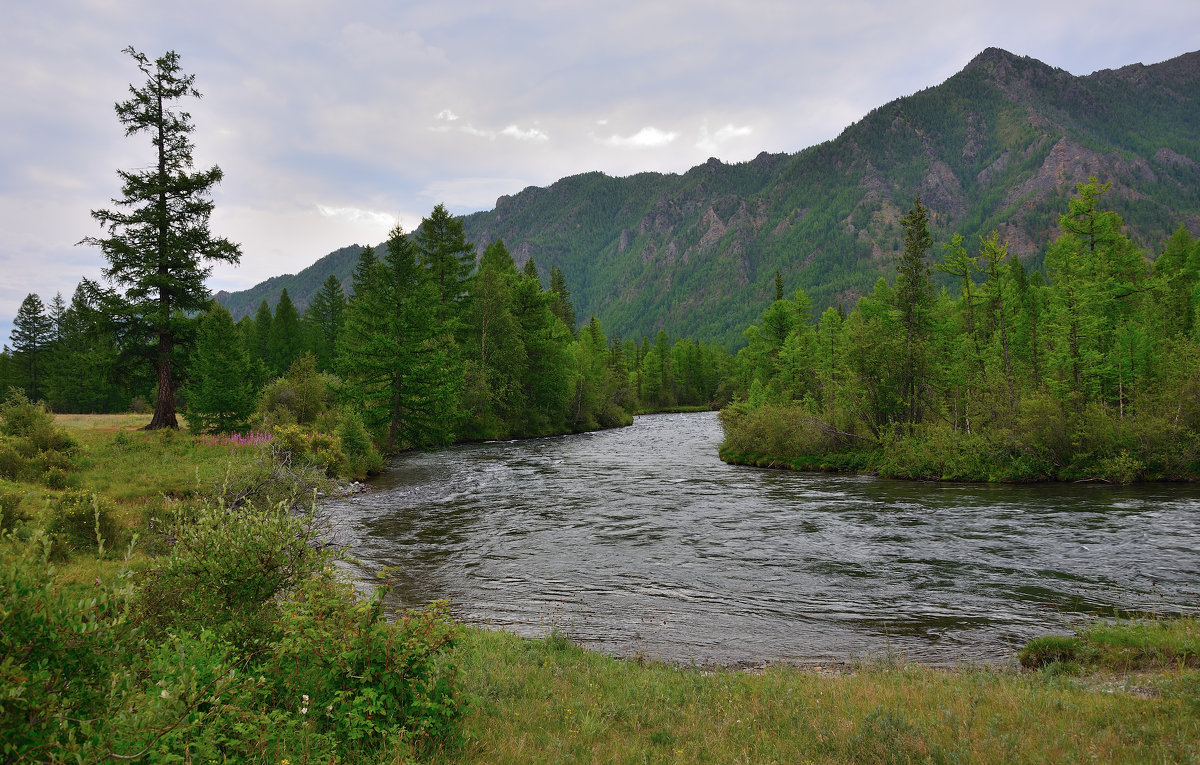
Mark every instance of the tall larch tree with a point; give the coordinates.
(324, 317)
(157, 243)
(914, 301)
(394, 354)
(444, 251)
(285, 342)
(31, 334)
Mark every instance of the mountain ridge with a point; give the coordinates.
(998, 145)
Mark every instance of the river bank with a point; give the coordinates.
(1045, 447)
(550, 700)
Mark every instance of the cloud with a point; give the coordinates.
(712, 141)
(646, 138)
(532, 134)
(356, 216)
(512, 131)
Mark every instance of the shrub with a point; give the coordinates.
(362, 458)
(10, 508)
(226, 570)
(58, 653)
(299, 397)
(358, 676)
(139, 405)
(77, 517)
(23, 418)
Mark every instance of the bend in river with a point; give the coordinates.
(640, 541)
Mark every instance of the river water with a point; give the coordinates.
(640, 541)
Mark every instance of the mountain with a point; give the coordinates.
(1000, 145)
(301, 287)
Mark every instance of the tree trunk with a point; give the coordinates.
(164, 404)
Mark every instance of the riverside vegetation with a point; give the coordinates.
(169, 601)
(1091, 371)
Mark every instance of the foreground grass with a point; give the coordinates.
(550, 701)
(1113, 693)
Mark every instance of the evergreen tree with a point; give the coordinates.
(914, 301)
(1095, 274)
(549, 368)
(285, 342)
(530, 271)
(1175, 274)
(444, 251)
(561, 306)
(221, 394)
(260, 348)
(159, 245)
(325, 315)
(497, 348)
(31, 335)
(395, 356)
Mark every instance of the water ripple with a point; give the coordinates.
(640, 541)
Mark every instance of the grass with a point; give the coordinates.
(549, 701)
(1115, 692)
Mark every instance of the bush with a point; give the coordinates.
(359, 677)
(300, 397)
(10, 508)
(78, 517)
(783, 433)
(242, 644)
(22, 418)
(58, 653)
(226, 571)
(362, 458)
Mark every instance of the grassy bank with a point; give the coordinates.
(1046, 446)
(550, 701)
(1113, 693)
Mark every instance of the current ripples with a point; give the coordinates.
(640, 541)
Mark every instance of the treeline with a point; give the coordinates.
(1090, 370)
(429, 347)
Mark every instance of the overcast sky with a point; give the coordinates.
(334, 120)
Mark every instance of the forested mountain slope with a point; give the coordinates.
(1000, 145)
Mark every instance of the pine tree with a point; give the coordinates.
(31, 335)
(395, 356)
(444, 251)
(260, 347)
(285, 342)
(914, 301)
(158, 246)
(221, 394)
(325, 315)
(547, 379)
(561, 306)
(497, 349)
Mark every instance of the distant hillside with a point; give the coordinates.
(301, 287)
(1000, 145)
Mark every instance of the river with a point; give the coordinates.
(640, 541)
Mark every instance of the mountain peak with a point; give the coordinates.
(990, 57)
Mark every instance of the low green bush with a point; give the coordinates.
(10, 508)
(57, 652)
(243, 643)
(80, 519)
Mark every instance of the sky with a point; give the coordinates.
(334, 121)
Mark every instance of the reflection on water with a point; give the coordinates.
(640, 541)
